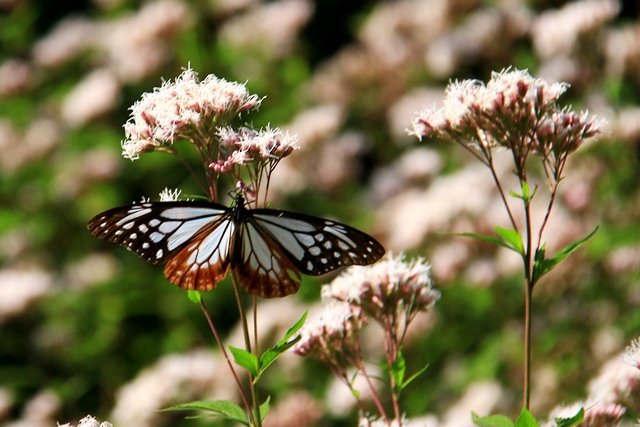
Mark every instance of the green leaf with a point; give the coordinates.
(398, 368)
(195, 296)
(491, 421)
(489, 239)
(221, 408)
(414, 376)
(571, 422)
(271, 354)
(526, 195)
(245, 359)
(509, 239)
(512, 238)
(542, 266)
(526, 419)
(264, 408)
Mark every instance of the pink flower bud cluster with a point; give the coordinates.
(513, 111)
(391, 292)
(246, 146)
(333, 336)
(387, 289)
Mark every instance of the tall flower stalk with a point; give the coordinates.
(200, 114)
(516, 113)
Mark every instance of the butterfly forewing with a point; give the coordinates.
(315, 245)
(155, 231)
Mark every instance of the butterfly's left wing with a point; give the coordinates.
(289, 242)
(192, 237)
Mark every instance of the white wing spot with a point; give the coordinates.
(133, 236)
(336, 254)
(328, 244)
(339, 233)
(159, 253)
(343, 245)
(104, 224)
(143, 228)
(324, 260)
(156, 237)
(319, 237)
(169, 226)
(315, 250)
(145, 245)
(119, 232)
(134, 213)
(187, 213)
(309, 266)
(305, 239)
(154, 222)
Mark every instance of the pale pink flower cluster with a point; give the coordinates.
(167, 195)
(392, 292)
(185, 108)
(15, 76)
(381, 422)
(247, 146)
(333, 336)
(596, 414)
(175, 378)
(387, 290)
(270, 28)
(513, 95)
(632, 353)
(88, 421)
(556, 32)
(514, 111)
(20, 289)
(95, 96)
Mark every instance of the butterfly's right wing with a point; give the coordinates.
(192, 237)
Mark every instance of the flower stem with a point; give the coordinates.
(528, 291)
(226, 355)
(527, 344)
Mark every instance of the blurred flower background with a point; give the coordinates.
(86, 327)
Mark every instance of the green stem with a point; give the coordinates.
(255, 414)
(503, 196)
(225, 354)
(392, 355)
(527, 299)
(527, 344)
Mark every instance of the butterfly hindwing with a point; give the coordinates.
(205, 259)
(261, 265)
(315, 245)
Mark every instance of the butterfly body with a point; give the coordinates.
(267, 248)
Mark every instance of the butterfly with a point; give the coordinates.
(267, 248)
